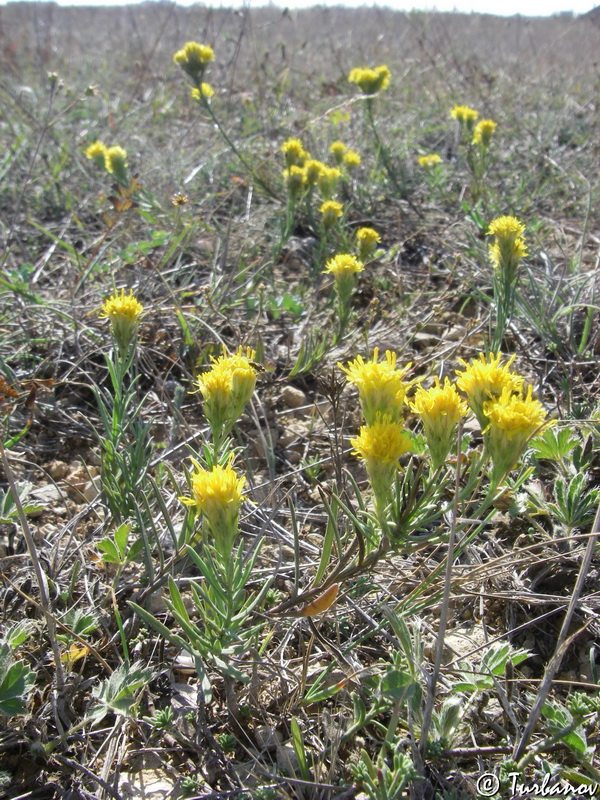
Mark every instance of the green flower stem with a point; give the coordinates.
(382, 150)
(242, 159)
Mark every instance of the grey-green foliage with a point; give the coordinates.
(118, 692)
(492, 665)
(560, 723)
(382, 781)
(8, 507)
(16, 682)
(575, 503)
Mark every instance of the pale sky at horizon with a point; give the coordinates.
(532, 8)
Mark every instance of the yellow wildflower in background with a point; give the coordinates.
(367, 239)
(370, 81)
(226, 389)
(193, 58)
(381, 388)
(509, 247)
(465, 115)
(484, 379)
(338, 150)
(440, 409)
(217, 494)
(313, 168)
(331, 211)
(344, 268)
(294, 152)
(97, 153)
(380, 446)
(116, 162)
(203, 92)
(327, 180)
(429, 161)
(513, 419)
(295, 180)
(123, 311)
(483, 132)
(352, 159)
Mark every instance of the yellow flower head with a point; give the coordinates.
(344, 268)
(327, 180)
(226, 388)
(367, 239)
(204, 92)
(383, 442)
(465, 115)
(295, 180)
(506, 228)
(217, 493)
(429, 161)
(331, 211)
(485, 379)
(440, 409)
(193, 58)
(294, 152)
(313, 168)
(352, 159)
(338, 149)
(343, 264)
(370, 81)
(513, 419)
(381, 388)
(508, 247)
(380, 446)
(116, 162)
(123, 311)
(483, 131)
(97, 153)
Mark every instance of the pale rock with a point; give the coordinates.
(287, 760)
(92, 489)
(58, 470)
(293, 397)
(267, 738)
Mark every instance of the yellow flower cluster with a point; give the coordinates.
(343, 265)
(380, 446)
(217, 494)
(381, 386)
(344, 268)
(513, 420)
(202, 92)
(440, 409)
(367, 240)
(193, 59)
(338, 150)
(112, 159)
(302, 172)
(370, 81)
(465, 115)
(331, 211)
(123, 311)
(226, 389)
(508, 414)
(485, 378)
(381, 442)
(482, 134)
(351, 159)
(429, 161)
(294, 152)
(508, 247)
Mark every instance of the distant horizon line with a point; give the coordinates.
(293, 6)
